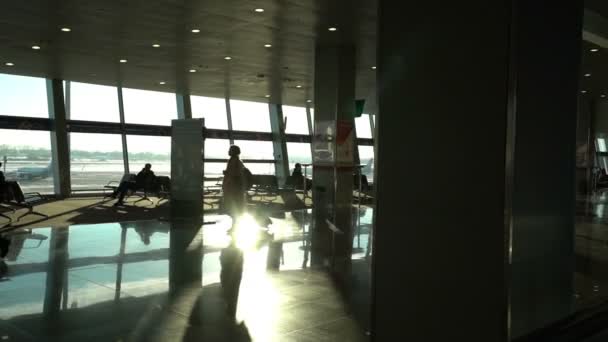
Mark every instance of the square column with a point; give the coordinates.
(473, 235)
(59, 138)
(279, 143)
(333, 150)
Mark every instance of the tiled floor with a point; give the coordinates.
(155, 281)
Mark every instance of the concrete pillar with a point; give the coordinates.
(488, 250)
(59, 138)
(184, 106)
(279, 143)
(333, 146)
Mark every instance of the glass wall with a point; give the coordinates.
(91, 102)
(366, 157)
(363, 126)
(298, 153)
(149, 107)
(27, 159)
(23, 96)
(149, 149)
(297, 123)
(93, 165)
(212, 109)
(216, 148)
(250, 116)
(251, 149)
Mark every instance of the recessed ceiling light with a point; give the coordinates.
(587, 75)
(162, 83)
(196, 31)
(298, 86)
(123, 61)
(66, 29)
(9, 64)
(227, 58)
(192, 70)
(267, 45)
(259, 10)
(583, 92)
(35, 47)
(333, 29)
(309, 101)
(374, 67)
(594, 50)
(603, 95)
(267, 96)
(156, 45)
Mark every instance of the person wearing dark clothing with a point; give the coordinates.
(297, 171)
(3, 186)
(144, 179)
(235, 184)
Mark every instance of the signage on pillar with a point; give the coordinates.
(345, 143)
(324, 143)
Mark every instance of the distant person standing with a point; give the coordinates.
(235, 184)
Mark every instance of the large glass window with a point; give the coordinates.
(149, 107)
(366, 157)
(212, 109)
(261, 168)
(252, 149)
(297, 123)
(27, 159)
(216, 148)
(23, 96)
(364, 129)
(93, 102)
(148, 149)
(298, 153)
(250, 116)
(95, 164)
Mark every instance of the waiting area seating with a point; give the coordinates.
(12, 198)
(159, 186)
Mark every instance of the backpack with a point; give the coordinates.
(248, 178)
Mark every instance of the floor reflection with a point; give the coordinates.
(172, 281)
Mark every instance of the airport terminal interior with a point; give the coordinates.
(303, 170)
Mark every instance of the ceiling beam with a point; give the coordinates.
(595, 29)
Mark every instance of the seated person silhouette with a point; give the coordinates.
(297, 179)
(144, 179)
(10, 190)
(231, 260)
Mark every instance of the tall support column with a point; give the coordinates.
(59, 137)
(333, 152)
(311, 131)
(123, 135)
(279, 142)
(184, 106)
(493, 243)
(229, 117)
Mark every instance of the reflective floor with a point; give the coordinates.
(178, 281)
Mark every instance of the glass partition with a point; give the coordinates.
(149, 149)
(26, 157)
(297, 123)
(23, 96)
(251, 149)
(149, 107)
(298, 153)
(212, 109)
(250, 116)
(91, 102)
(364, 129)
(216, 148)
(366, 157)
(95, 164)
